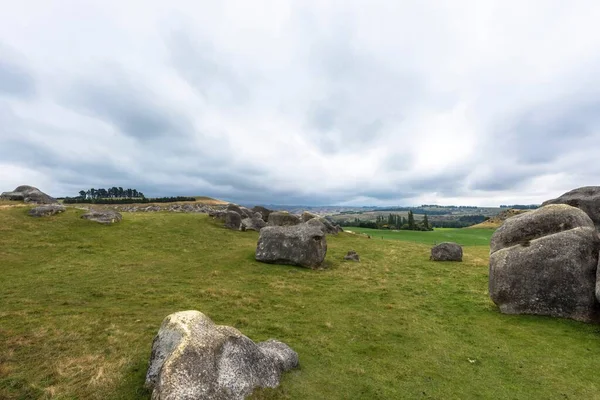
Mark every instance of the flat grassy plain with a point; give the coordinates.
(80, 304)
(464, 237)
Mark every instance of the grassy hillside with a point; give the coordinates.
(81, 303)
(463, 236)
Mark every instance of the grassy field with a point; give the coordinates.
(81, 303)
(462, 236)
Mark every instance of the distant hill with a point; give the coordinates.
(210, 201)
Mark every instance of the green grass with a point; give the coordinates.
(465, 237)
(81, 303)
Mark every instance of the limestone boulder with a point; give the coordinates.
(301, 245)
(253, 224)
(283, 218)
(233, 220)
(194, 359)
(324, 224)
(306, 216)
(46, 210)
(446, 251)
(28, 194)
(352, 256)
(585, 198)
(264, 212)
(105, 217)
(544, 262)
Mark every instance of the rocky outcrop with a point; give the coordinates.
(352, 256)
(585, 198)
(325, 225)
(28, 194)
(194, 359)
(253, 224)
(544, 262)
(306, 216)
(105, 217)
(301, 245)
(264, 212)
(283, 218)
(233, 220)
(46, 210)
(446, 251)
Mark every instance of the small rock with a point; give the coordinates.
(233, 220)
(352, 256)
(446, 251)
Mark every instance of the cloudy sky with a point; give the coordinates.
(303, 102)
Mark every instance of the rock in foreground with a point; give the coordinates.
(47, 210)
(446, 251)
(544, 262)
(28, 194)
(301, 245)
(194, 359)
(105, 217)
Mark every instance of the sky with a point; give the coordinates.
(303, 102)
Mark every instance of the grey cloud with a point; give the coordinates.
(136, 111)
(16, 80)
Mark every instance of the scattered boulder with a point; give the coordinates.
(233, 220)
(46, 210)
(306, 216)
(446, 251)
(28, 194)
(247, 213)
(283, 218)
(544, 262)
(324, 225)
(218, 214)
(301, 245)
(192, 358)
(585, 198)
(253, 224)
(105, 217)
(265, 212)
(352, 256)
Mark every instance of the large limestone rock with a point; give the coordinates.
(301, 245)
(194, 359)
(585, 198)
(265, 212)
(283, 218)
(306, 216)
(105, 217)
(253, 224)
(544, 262)
(46, 210)
(446, 251)
(233, 220)
(28, 194)
(243, 211)
(325, 225)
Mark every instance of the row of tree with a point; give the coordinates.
(110, 193)
(394, 221)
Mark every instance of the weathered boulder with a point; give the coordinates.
(283, 218)
(352, 256)
(301, 245)
(233, 220)
(247, 213)
(28, 194)
(544, 262)
(217, 214)
(446, 251)
(323, 224)
(263, 211)
(253, 224)
(194, 359)
(306, 216)
(46, 210)
(105, 217)
(585, 198)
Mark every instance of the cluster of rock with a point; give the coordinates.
(168, 207)
(545, 262)
(192, 358)
(28, 194)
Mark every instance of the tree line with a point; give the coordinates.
(118, 195)
(393, 221)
